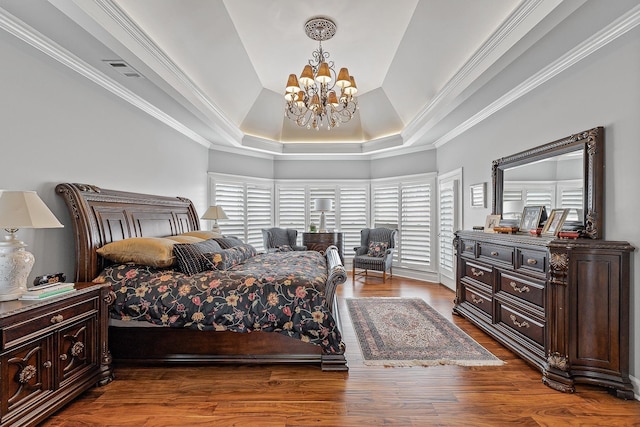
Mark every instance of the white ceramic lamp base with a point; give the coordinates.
(15, 266)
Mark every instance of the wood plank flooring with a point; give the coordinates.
(279, 396)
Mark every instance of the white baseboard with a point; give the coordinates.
(636, 386)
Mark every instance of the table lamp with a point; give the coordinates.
(19, 209)
(215, 213)
(322, 205)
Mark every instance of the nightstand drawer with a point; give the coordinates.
(468, 247)
(51, 317)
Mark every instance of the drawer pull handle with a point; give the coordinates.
(476, 300)
(468, 248)
(63, 357)
(47, 364)
(477, 273)
(532, 261)
(524, 324)
(494, 253)
(515, 287)
(57, 318)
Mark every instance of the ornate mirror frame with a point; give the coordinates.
(591, 142)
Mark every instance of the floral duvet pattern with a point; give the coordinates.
(274, 292)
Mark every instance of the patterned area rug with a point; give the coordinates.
(409, 332)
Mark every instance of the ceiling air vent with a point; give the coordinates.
(122, 67)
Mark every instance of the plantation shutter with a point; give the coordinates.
(353, 215)
(447, 220)
(231, 197)
(386, 204)
(259, 214)
(291, 207)
(539, 197)
(415, 224)
(572, 199)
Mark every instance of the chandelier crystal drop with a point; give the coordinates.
(311, 99)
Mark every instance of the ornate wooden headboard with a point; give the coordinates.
(102, 216)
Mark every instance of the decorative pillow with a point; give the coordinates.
(228, 242)
(189, 255)
(203, 234)
(185, 239)
(152, 251)
(377, 249)
(283, 248)
(227, 258)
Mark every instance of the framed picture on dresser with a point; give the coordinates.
(555, 222)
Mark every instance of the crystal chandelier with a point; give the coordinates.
(311, 100)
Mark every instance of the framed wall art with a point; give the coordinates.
(478, 194)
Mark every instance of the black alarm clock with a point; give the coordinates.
(49, 279)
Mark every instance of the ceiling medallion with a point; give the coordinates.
(311, 100)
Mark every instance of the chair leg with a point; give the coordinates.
(384, 276)
(353, 274)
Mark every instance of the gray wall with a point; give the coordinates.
(602, 90)
(59, 127)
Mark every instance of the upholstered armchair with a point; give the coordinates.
(277, 239)
(375, 252)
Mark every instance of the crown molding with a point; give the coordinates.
(35, 39)
(616, 29)
(222, 124)
(435, 110)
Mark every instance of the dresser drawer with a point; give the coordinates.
(498, 253)
(528, 260)
(54, 315)
(524, 324)
(480, 272)
(523, 288)
(468, 247)
(478, 299)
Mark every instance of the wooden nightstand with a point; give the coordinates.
(321, 241)
(51, 351)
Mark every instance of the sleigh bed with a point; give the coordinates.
(242, 308)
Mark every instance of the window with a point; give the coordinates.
(407, 202)
(294, 207)
(247, 204)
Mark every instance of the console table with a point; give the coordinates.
(321, 241)
(561, 305)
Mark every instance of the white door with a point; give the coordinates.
(449, 221)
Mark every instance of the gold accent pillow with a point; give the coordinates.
(152, 251)
(203, 234)
(184, 239)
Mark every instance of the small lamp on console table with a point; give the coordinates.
(322, 205)
(19, 209)
(215, 213)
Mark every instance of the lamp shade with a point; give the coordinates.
(25, 209)
(214, 212)
(322, 205)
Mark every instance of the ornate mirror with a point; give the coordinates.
(567, 173)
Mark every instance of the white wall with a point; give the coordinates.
(602, 90)
(59, 127)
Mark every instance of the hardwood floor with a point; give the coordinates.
(364, 396)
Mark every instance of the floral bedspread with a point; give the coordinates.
(274, 292)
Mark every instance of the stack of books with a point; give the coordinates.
(47, 291)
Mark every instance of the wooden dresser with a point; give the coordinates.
(52, 350)
(562, 305)
(321, 241)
